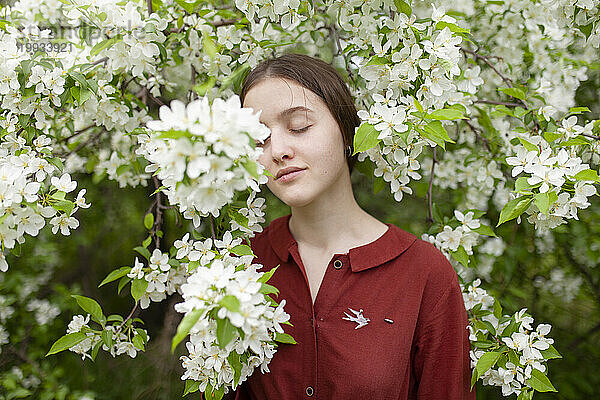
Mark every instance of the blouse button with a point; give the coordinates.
(310, 391)
(337, 264)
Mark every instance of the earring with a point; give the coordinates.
(348, 151)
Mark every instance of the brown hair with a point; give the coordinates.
(320, 78)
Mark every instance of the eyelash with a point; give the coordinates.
(291, 130)
(301, 129)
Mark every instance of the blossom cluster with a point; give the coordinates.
(511, 350)
(552, 172)
(121, 340)
(203, 153)
(31, 193)
(235, 322)
(464, 235)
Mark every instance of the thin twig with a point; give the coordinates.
(479, 135)
(212, 228)
(224, 22)
(149, 4)
(158, 220)
(591, 136)
(82, 145)
(500, 103)
(430, 190)
(66, 139)
(100, 61)
(486, 60)
(129, 316)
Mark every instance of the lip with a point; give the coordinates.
(285, 174)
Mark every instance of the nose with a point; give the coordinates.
(280, 146)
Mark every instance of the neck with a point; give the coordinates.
(334, 221)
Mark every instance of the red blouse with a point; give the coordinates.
(414, 346)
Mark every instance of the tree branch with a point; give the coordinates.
(149, 4)
(100, 61)
(429, 219)
(486, 60)
(591, 136)
(158, 220)
(66, 139)
(500, 103)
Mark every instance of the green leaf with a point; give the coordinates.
(461, 256)
(191, 386)
(576, 141)
(514, 92)
(91, 307)
(445, 114)
(66, 342)
(497, 309)
(143, 251)
(578, 110)
(587, 175)
(138, 342)
(365, 138)
(225, 332)
(149, 221)
(114, 275)
(484, 230)
(522, 186)
(525, 395)
(514, 208)
(267, 275)
(107, 338)
(251, 167)
(540, 382)
(403, 7)
(551, 136)
(79, 78)
(529, 146)
(437, 129)
(236, 365)
(56, 162)
(486, 362)
(138, 288)
(242, 250)
(268, 289)
(104, 45)
(239, 218)
(284, 338)
(453, 27)
(188, 321)
(550, 353)
(208, 45)
(147, 241)
(231, 303)
(378, 61)
(124, 281)
(543, 201)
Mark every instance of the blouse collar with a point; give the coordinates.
(387, 247)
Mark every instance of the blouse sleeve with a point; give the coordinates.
(441, 349)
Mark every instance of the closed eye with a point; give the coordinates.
(300, 130)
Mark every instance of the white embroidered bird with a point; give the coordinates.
(358, 317)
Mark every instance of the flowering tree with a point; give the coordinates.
(474, 98)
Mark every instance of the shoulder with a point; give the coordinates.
(271, 245)
(428, 267)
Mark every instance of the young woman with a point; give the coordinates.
(376, 313)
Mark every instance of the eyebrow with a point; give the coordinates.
(289, 111)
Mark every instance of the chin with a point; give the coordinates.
(292, 198)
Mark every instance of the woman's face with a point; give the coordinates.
(305, 152)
